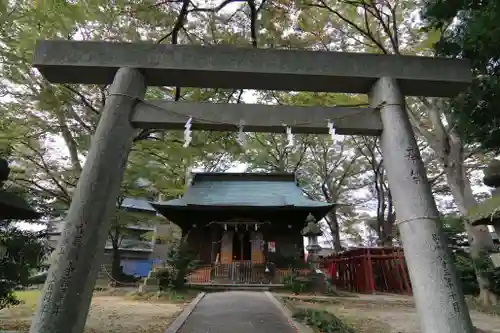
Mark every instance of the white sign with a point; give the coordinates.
(495, 258)
(271, 246)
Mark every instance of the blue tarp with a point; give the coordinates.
(138, 267)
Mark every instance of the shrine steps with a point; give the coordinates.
(236, 286)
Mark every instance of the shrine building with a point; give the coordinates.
(243, 220)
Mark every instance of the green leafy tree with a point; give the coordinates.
(469, 29)
(390, 27)
(47, 128)
(181, 261)
(467, 266)
(24, 253)
(21, 251)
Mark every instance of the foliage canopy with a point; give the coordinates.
(470, 30)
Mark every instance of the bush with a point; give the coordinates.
(181, 261)
(322, 321)
(457, 241)
(296, 284)
(313, 282)
(485, 266)
(290, 283)
(466, 272)
(24, 253)
(166, 277)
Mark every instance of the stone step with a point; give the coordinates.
(235, 286)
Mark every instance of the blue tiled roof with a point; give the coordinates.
(133, 245)
(259, 190)
(139, 204)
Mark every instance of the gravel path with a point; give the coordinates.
(236, 312)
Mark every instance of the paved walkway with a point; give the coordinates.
(237, 312)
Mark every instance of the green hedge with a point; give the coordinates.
(465, 268)
(322, 321)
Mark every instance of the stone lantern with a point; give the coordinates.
(12, 206)
(488, 211)
(312, 231)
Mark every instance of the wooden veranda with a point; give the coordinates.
(241, 273)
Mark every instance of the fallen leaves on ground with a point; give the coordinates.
(108, 314)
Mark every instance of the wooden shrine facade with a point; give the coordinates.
(241, 240)
(239, 224)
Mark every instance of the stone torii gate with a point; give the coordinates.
(130, 68)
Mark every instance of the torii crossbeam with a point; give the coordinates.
(131, 67)
(224, 66)
(256, 118)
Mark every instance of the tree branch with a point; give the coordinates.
(351, 23)
(83, 99)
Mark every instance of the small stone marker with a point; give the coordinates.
(495, 259)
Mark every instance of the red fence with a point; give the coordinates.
(370, 270)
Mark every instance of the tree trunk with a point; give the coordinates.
(70, 142)
(388, 228)
(333, 223)
(116, 270)
(479, 237)
(450, 150)
(389, 220)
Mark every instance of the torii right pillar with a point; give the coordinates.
(436, 290)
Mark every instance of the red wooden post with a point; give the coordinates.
(341, 274)
(396, 269)
(332, 270)
(351, 275)
(345, 265)
(384, 274)
(343, 277)
(374, 274)
(354, 275)
(362, 275)
(340, 271)
(403, 270)
(335, 272)
(359, 275)
(393, 273)
(369, 273)
(364, 270)
(347, 274)
(390, 275)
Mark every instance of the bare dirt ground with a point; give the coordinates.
(386, 313)
(111, 314)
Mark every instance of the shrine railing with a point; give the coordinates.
(241, 272)
(284, 272)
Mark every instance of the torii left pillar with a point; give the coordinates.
(67, 293)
